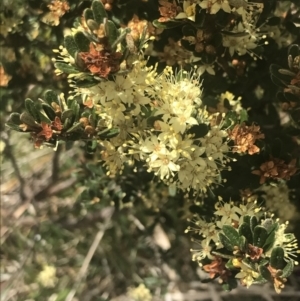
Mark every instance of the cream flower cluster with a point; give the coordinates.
(280, 35)
(226, 214)
(277, 200)
(154, 113)
(47, 276)
(229, 214)
(246, 39)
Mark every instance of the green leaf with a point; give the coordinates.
(231, 119)
(51, 96)
(67, 124)
(76, 110)
(231, 234)
(92, 25)
(70, 101)
(26, 118)
(82, 42)
(88, 14)
(278, 77)
(13, 126)
(70, 45)
(260, 235)
(243, 115)
(222, 255)
(226, 242)
(242, 243)
(288, 269)
(278, 81)
(269, 242)
(253, 222)
(246, 219)
(273, 228)
(166, 25)
(86, 83)
(79, 62)
(76, 127)
(111, 31)
(15, 118)
(124, 35)
(234, 34)
(264, 261)
(247, 262)
(265, 273)
(277, 258)
(32, 109)
(92, 119)
(49, 111)
(271, 238)
(245, 230)
(91, 146)
(287, 72)
(66, 68)
(294, 50)
(67, 114)
(199, 130)
(188, 30)
(44, 118)
(230, 285)
(260, 280)
(99, 11)
(109, 134)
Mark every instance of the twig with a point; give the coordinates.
(4, 296)
(54, 188)
(87, 259)
(9, 153)
(55, 163)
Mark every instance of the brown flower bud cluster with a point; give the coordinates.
(173, 53)
(244, 138)
(276, 169)
(278, 280)
(58, 8)
(137, 27)
(4, 77)
(46, 131)
(168, 10)
(88, 128)
(217, 268)
(202, 41)
(101, 63)
(107, 4)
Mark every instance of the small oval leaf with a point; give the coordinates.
(277, 258)
(82, 42)
(260, 235)
(70, 45)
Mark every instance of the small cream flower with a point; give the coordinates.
(209, 68)
(203, 252)
(228, 213)
(213, 6)
(47, 276)
(182, 121)
(140, 293)
(164, 165)
(247, 275)
(189, 11)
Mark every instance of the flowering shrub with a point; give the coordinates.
(241, 244)
(185, 93)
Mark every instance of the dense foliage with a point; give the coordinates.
(188, 112)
